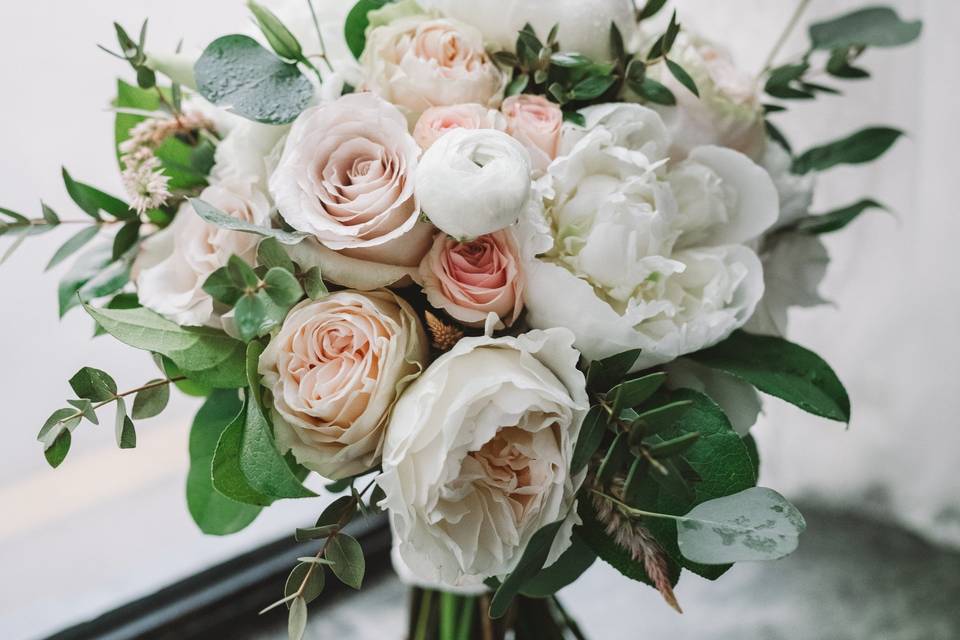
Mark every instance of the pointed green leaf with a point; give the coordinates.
(531, 562)
(72, 245)
(683, 77)
(347, 557)
(589, 440)
(836, 219)
(93, 384)
(872, 27)
(225, 221)
(863, 146)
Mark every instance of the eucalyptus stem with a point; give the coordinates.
(782, 40)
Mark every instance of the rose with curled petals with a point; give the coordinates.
(335, 369)
(536, 123)
(437, 121)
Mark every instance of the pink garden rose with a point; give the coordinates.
(335, 369)
(536, 123)
(436, 121)
(418, 62)
(346, 177)
(470, 280)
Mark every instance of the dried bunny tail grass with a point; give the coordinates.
(640, 543)
(443, 336)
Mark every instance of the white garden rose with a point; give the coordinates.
(636, 252)
(418, 62)
(335, 369)
(477, 456)
(728, 112)
(472, 182)
(173, 264)
(584, 25)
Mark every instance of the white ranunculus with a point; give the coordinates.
(174, 263)
(584, 25)
(335, 369)
(474, 181)
(728, 112)
(477, 456)
(636, 252)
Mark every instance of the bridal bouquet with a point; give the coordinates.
(512, 272)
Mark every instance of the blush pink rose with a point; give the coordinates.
(536, 123)
(470, 280)
(346, 177)
(437, 121)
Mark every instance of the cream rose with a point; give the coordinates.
(437, 121)
(335, 369)
(536, 123)
(470, 280)
(174, 263)
(418, 62)
(346, 176)
(635, 252)
(477, 456)
(728, 112)
(474, 182)
(584, 25)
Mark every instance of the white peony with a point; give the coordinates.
(174, 263)
(635, 252)
(584, 26)
(477, 456)
(472, 182)
(728, 112)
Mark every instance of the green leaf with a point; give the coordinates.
(618, 49)
(569, 566)
(72, 245)
(284, 43)
(605, 374)
(592, 87)
(151, 402)
(262, 463)
(655, 92)
(86, 268)
(126, 238)
(674, 446)
(270, 254)
(355, 26)
(201, 353)
(315, 533)
(782, 369)
(658, 419)
(57, 452)
(683, 77)
(338, 513)
(632, 393)
(863, 146)
(59, 421)
(242, 273)
(570, 60)
(836, 219)
(93, 384)
(213, 512)
(49, 215)
(755, 524)
(347, 557)
(221, 287)
(86, 408)
(236, 73)
(591, 435)
(531, 562)
(315, 579)
(123, 429)
(297, 620)
(282, 287)
(617, 456)
(314, 285)
(651, 8)
(518, 85)
(228, 478)
(250, 314)
(92, 201)
(872, 26)
(225, 221)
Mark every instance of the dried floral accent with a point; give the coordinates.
(640, 543)
(443, 336)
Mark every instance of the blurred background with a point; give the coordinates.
(110, 526)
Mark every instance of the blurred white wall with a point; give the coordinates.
(110, 525)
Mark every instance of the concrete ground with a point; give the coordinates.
(852, 579)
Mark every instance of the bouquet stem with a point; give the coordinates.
(437, 615)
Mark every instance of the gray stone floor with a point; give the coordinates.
(852, 579)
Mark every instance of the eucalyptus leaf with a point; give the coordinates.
(311, 576)
(126, 434)
(57, 451)
(297, 619)
(314, 285)
(220, 286)
(59, 421)
(282, 287)
(347, 557)
(93, 384)
(225, 221)
(270, 254)
(755, 524)
(151, 402)
(250, 314)
(871, 26)
(86, 409)
(236, 73)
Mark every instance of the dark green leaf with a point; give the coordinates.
(124, 431)
(228, 478)
(518, 85)
(347, 557)
(93, 384)
(57, 451)
(618, 49)
(314, 576)
(613, 462)
(207, 355)
(863, 146)
(656, 92)
(531, 562)
(270, 254)
(592, 87)
(782, 369)
(74, 244)
(282, 287)
(570, 60)
(607, 373)
(126, 238)
(751, 444)
(591, 435)
(839, 66)
(674, 446)
(216, 217)
(338, 513)
(355, 26)
(683, 77)
(214, 513)
(315, 533)
(651, 8)
(569, 566)
(222, 288)
(836, 219)
(92, 201)
(151, 402)
(872, 26)
(777, 136)
(236, 73)
(632, 393)
(658, 419)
